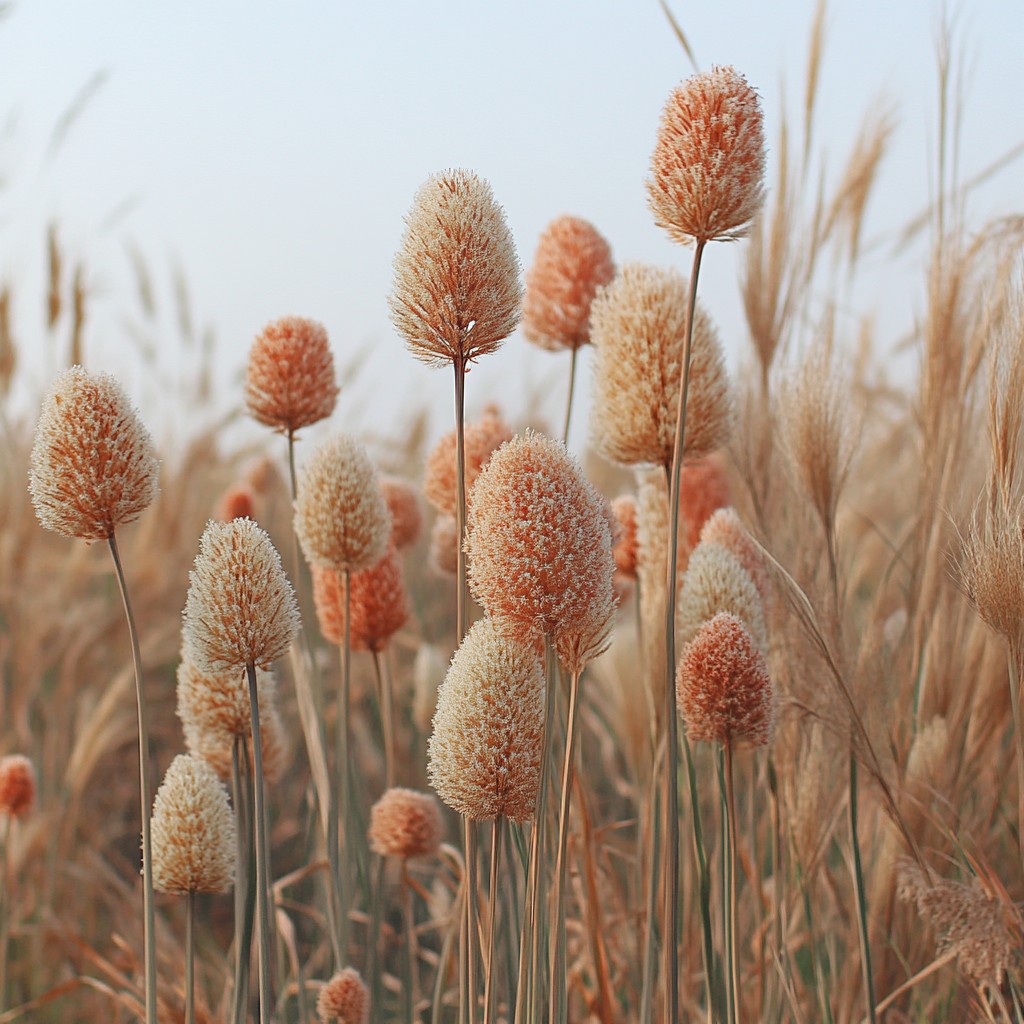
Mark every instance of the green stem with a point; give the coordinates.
(262, 850)
(862, 901)
(190, 959)
(149, 915)
(489, 973)
(572, 389)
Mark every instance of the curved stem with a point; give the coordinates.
(489, 972)
(190, 959)
(149, 932)
(572, 389)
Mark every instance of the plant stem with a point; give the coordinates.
(190, 959)
(572, 389)
(409, 988)
(6, 905)
(342, 794)
(862, 901)
(732, 833)
(489, 973)
(245, 889)
(472, 934)
(387, 719)
(149, 928)
(262, 851)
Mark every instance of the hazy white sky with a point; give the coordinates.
(272, 150)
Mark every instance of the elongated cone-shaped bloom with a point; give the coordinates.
(378, 599)
(341, 518)
(715, 581)
(725, 528)
(539, 539)
(240, 606)
(571, 263)
(707, 169)
(17, 785)
(92, 467)
(484, 755)
(290, 379)
(406, 515)
(193, 830)
(344, 999)
(456, 291)
(482, 438)
(213, 708)
(637, 326)
(406, 823)
(723, 689)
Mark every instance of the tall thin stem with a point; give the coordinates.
(572, 390)
(489, 972)
(6, 906)
(342, 793)
(387, 718)
(149, 928)
(262, 850)
(409, 994)
(861, 891)
(190, 958)
(245, 890)
(670, 958)
(733, 837)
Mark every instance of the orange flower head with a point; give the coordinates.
(456, 293)
(484, 755)
(92, 467)
(707, 169)
(406, 515)
(538, 539)
(638, 324)
(482, 438)
(344, 999)
(703, 489)
(378, 599)
(571, 263)
(723, 689)
(290, 380)
(625, 548)
(444, 546)
(406, 823)
(724, 527)
(17, 786)
(237, 502)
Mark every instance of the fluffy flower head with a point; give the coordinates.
(406, 823)
(406, 515)
(344, 999)
(17, 785)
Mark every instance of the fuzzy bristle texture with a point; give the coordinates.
(290, 379)
(538, 538)
(406, 514)
(708, 164)
(344, 999)
(240, 607)
(406, 823)
(456, 293)
(193, 830)
(572, 261)
(723, 689)
(17, 785)
(341, 518)
(93, 467)
(485, 751)
(638, 325)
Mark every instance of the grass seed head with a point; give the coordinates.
(572, 261)
(406, 823)
(193, 829)
(703, 489)
(237, 502)
(93, 467)
(708, 164)
(17, 786)
(290, 379)
(624, 550)
(724, 528)
(444, 545)
(406, 515)
(456, 293)
(344, 999)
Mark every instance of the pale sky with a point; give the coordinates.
(272, 150)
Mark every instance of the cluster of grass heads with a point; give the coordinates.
(848, 850)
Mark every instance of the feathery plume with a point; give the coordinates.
(290, 379)
(17, 785)
(485, 751)
(708, 164)
(378, 599)
(344, 999)
(93, 467)
(406, 515)
(456, 293)
(637, 326)
(538, 538)
(193, 830)
(572, 261)
(406, 823)
(240, 606)
(723, 527)
(723, 689)
(341, 518)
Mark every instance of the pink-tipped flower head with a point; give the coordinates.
(723, 689)
(456, 291)
(638, 324)
(406, 515)
(17, 786)
(290, 379)
(484, 755)
(481, 439)
(571, 263)
(538, 539)
(707, 169)
(725, 528)
(341, 518)
(92, 467)
(344, 999)
(378, 602)
(240, 608)
(406, 823)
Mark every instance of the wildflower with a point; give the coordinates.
(624, 551)
(406, 823)
(344, 999)
(17, 786)
(723, 527)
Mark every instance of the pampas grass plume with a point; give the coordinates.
(344, 999)
(290, 381)
(93, 467)
(17, 785)
(406, 823)
(708, 164)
